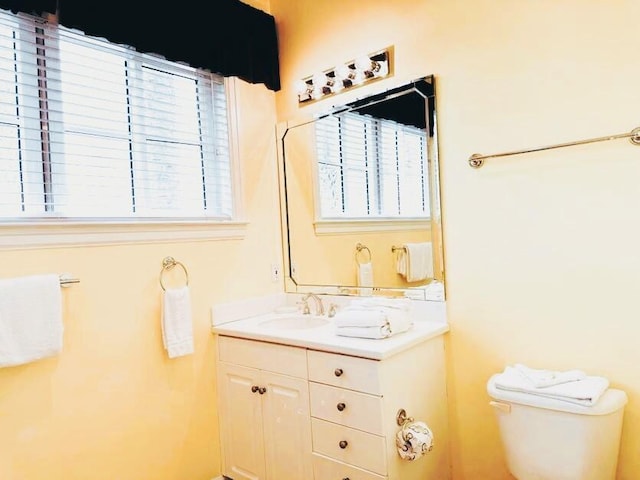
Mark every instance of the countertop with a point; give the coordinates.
(323, 337)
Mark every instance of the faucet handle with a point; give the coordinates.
(305, 307)
(332, 310)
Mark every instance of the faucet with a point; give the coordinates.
(317, 299)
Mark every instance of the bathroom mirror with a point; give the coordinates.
(361, 197)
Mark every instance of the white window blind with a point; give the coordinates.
(95, 131)
(371, 168)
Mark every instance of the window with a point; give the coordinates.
(96, 132)
(370, 168)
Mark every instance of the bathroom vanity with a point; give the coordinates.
(298, 402)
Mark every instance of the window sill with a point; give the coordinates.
(330, 227)
(78, 234)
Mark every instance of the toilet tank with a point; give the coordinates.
(548, 439)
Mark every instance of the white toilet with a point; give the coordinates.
(548, 439)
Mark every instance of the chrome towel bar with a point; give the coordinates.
(477, 160)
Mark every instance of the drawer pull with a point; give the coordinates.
(343, 444)
(262, 390)
(338, 372)
(341, 406)
(255, 388)
(346, 478)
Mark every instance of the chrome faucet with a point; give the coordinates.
(317, 299)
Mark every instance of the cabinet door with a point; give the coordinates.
(287, 427)
(241, 422)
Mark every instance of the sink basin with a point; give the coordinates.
(294, 322)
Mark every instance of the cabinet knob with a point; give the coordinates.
(338, 372)
(262, 390)
(341, 406)
(343, 444)
(255, 388)
(346, 478)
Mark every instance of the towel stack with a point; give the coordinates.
(573, 386)
(374, 318)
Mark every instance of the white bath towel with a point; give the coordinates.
(415, 261)
(547, 378)
(30, 319)
(365, 278)
(586, 391)
(177, 325)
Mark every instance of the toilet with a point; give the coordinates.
(549, 439)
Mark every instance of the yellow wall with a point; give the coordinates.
(532, 276)
(112, 405)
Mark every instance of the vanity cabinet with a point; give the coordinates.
(327, 415)
(354, 407)
(264, 411)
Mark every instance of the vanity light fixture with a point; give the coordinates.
(349, 75)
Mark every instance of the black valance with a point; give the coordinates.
(226, 37)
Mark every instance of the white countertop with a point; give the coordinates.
(323, 337)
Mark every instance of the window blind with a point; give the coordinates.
(95, 131)
(371, 168)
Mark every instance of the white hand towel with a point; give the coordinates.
(547, 378)
(30, 319)
(177, 325)
(365, 278)
(415, 261)
(585, 392)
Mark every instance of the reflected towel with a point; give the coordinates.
(415, 261)
(586, 391)
(365, 278)
(177, 326)
(30, 319)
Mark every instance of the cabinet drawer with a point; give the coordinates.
(346, 407)
(344, 371)
(358, 448)
(325, 468)
(265, 356)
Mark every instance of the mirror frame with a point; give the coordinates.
(293, 286)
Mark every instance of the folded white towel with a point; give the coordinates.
(374, 333)
(360, 318)
(30, 319)
(586, 391)
(392, 326)
(177, 325)
(377, 303)
(547, 378)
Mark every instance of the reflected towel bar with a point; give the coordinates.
(477, 160)
(395, 249)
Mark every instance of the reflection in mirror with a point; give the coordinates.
(362, 200)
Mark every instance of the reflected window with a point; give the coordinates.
(371, 168)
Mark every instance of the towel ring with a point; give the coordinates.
(361, 248)
(167, 264)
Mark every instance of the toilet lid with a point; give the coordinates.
(611, 401)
